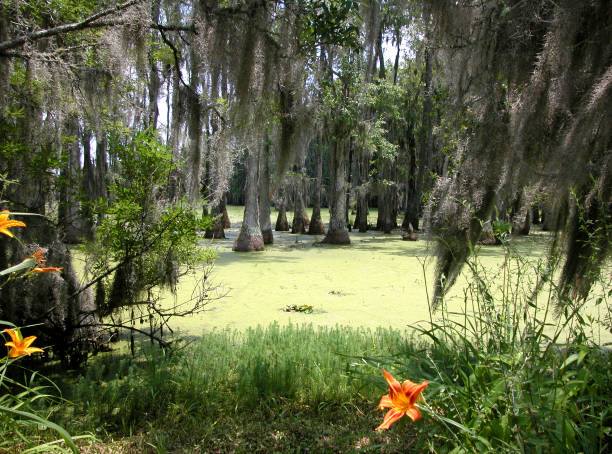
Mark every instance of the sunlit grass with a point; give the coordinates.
(258, 390)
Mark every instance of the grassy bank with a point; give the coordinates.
(273, 389)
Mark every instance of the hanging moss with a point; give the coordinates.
(528, 108)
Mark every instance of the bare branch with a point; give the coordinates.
(152, 336)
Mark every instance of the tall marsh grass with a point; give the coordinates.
(265, 371)
(520, 370)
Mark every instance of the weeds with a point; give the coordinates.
(305, 308)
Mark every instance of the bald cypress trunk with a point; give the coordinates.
(101, 163)
(316, 223)
(361, 215)
(174, 136)
(264, 196)
(300, 217)
(154, 81)
(216, 231)
(385, 201)
(425, 149)
(68, 211)
(282, 225)
(337, 232)
(226, 219)
(217, 208)
(194, 157)
(250, 237)
(87, 187)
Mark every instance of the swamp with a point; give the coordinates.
(305, 226)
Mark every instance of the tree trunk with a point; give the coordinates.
(5, 63)
(154, 82)
(337, 232)
(361, 215)
(101, 164)
(385, 199)
(174, 137)
(535, 215)
(218, 211)
(87, 187)
(300, 216)
(194, 159)
(264, 195)
(216, 230)
(281, 221)
(68, 211)
(250, 237)
(226, 219)
(316, 223)
(425, 151)
(549, 219)
(525, 226)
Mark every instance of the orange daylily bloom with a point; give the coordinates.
(46, 269)
(400, 400)
(20, 346)
(38, 256)
(6, 223)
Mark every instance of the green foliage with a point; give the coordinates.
(162, 53)
(501, 228)
(329, 22)
(346, 98)
(342, 98)
(10, 145)
(150, 238)
(54, 11)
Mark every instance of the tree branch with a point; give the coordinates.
(159, 340)
(74, 26)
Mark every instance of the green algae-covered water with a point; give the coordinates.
(376, 281)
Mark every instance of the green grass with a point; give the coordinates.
(273, 389)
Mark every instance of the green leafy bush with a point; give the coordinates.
(144, 241)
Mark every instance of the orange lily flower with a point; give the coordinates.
(19, 345)
(38, 256)
(44, 270)
(6, 223)
(401, 400)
